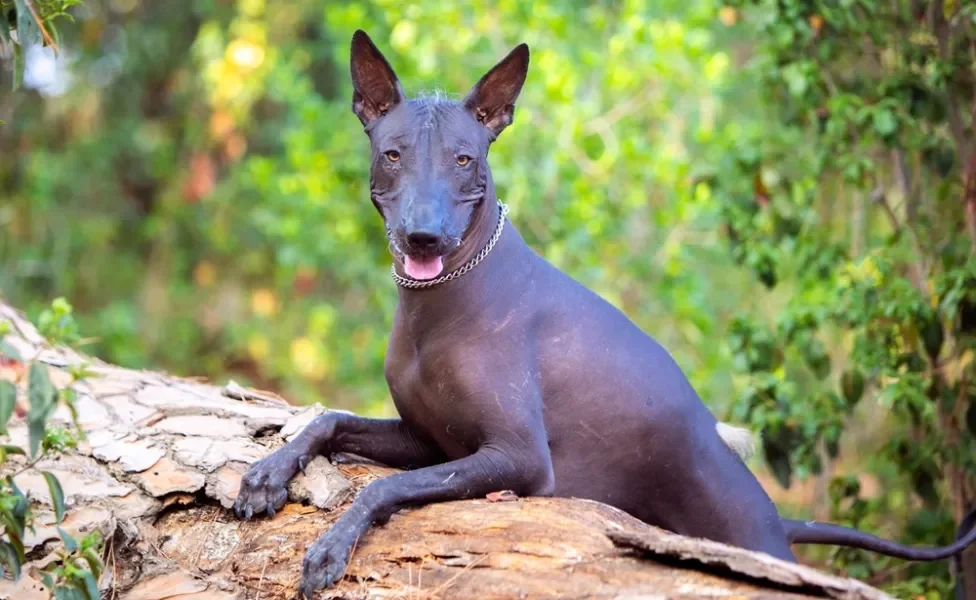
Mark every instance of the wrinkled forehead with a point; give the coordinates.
(431, 122)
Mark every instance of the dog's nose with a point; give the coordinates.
(423, 240)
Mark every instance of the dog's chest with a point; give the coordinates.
(429, 397)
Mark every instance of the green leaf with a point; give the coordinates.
(57, 494)
(55, 34)
(95, 564)
(47, 580)
(9, 351)
(8, 554)
(778, 460)
(91, 586)
(69, 396)
(70, 543)
(14, 530)
(20, 508)
(4, 29)
(35, 434)
(8, 397)
(43, 400)
(932, 335)
(949, 9)
(18, 66)
(885, 122)
(79, 372)
(9, 449)
(852, 386)
(28, 33)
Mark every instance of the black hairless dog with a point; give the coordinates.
(508, 374)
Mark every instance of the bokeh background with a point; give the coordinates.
(774, 190)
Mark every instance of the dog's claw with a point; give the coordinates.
(264, 487)
(326, 560)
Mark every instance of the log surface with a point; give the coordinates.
(161, 467)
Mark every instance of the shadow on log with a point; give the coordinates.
(163, 462)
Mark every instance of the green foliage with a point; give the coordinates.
(873, 103)
(200, 194)
(75, 570)
(207, 212)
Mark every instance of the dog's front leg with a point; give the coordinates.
(264, 487)
(525, 469)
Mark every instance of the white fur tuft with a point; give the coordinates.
(739, 439)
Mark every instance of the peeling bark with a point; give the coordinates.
(162, 464)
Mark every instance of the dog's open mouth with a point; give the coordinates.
(423, 267)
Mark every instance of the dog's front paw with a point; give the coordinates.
(264, 487)
(326, 560)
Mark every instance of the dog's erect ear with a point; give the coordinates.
(375, 86)
(492, 99)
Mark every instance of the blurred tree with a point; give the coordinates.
(855, 204)
(200, 191)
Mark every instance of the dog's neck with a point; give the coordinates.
(479, 290)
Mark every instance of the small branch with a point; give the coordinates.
(40, 25)
(878, 197)
(28, 466)
(919, 269)
(857, 223)
(905, 184)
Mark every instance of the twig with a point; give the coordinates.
(466, 568)
(261, 580)
(40, 25)
(115, 572)
(203, 542)
(878, 197)
(420, 573)
(905, 184)
(29, 465)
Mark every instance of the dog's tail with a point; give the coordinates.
(742, 441)
(739, 439)
(812, 532)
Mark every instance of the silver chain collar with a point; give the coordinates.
(419, 284)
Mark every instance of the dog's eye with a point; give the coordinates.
(463, 160)
(393, 155)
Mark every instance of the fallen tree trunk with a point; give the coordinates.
(162, 465)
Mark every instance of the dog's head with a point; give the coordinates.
(429, 170)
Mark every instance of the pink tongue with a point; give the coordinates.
(423, 268)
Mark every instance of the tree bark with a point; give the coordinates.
(162, 463)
